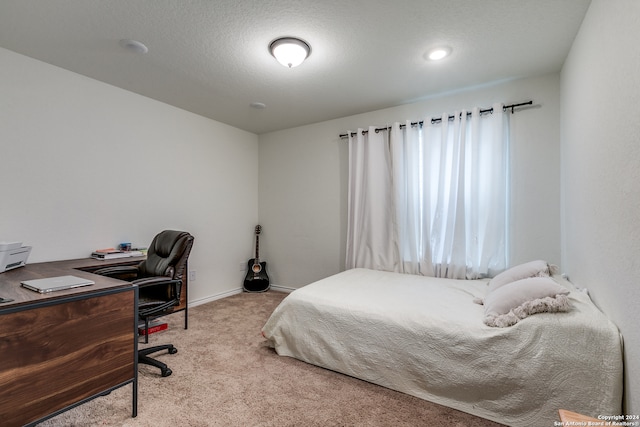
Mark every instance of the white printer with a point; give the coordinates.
(13, 255)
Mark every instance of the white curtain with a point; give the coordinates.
(371, 238)
(431, 200)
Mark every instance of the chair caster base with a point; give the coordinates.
(143, 358)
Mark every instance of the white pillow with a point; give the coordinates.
(508, 304)
(537, 268)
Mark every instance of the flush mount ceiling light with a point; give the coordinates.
(134, 46)
(438, 53)
(289, 51)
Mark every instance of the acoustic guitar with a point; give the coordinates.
(256, 279)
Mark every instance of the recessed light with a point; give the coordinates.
(439, 53)
(134, 46)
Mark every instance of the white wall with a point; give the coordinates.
(303, 180)
(601, 171)
(85, 165)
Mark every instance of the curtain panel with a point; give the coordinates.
(431, 200)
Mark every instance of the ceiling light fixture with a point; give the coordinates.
(289, 51)
(439, 53)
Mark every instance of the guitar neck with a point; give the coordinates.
(257, 248)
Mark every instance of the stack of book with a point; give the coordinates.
(111, 253)
(154, 326)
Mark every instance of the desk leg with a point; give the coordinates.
(186, 298)
(134, 412)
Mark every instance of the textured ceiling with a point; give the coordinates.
(210, 57)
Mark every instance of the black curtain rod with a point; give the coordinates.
(439, 119)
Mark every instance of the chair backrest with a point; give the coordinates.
(167, 255)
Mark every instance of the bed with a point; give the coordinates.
(426, 337)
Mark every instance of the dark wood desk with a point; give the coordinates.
(61, 349)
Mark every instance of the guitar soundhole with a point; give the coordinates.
(257, 268)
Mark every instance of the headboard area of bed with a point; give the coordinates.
(427, 337)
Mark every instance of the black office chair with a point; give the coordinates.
(159, 279)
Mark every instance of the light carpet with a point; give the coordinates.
(224, 374)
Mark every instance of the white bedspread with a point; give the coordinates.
(425, 337)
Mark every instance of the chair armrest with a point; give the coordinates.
(155, 306)
(157, 280)
(124, 272)
(150, 282)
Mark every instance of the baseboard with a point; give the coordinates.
(225, 294)
(282, 289)
(211, 298)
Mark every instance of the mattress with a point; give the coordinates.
(425, 337)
